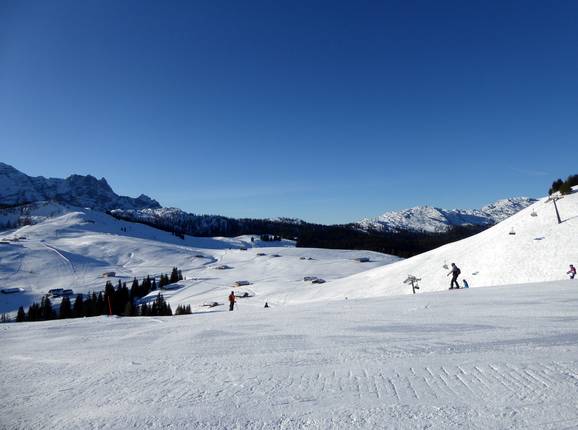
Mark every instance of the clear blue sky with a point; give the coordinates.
(327, 111)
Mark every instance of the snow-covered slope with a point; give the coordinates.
(84, 191)
(31, 213)
(486, 358)
(530, 246)
(74, 249)
(435, 220)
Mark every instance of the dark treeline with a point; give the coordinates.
(120, 300)
(214, 225)
(403, 244)
(183, 310)
(13, 205)
(564, 187)
(345, 236)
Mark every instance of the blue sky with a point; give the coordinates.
(326, 111)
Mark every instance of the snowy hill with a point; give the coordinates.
(435, 220)
(17, 188)
(72, 250)
(341, 354)
(528, 247)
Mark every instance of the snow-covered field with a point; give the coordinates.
(485, 358)
(74, 248)
(355, 352)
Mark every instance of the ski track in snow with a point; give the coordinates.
(447, 366)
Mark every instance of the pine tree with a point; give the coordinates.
(46, 312)
(100, 306)
(146, 286)
(88, 307)
(134, 289)
(565, 188)
(124, 296)
(174, 276)
(78, 308)
(21, 315)
(109, 298)
(555, 186)
(128, 311)
(33, 313)
(183, 310)
(65, 308)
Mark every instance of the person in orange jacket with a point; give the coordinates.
(231, 300)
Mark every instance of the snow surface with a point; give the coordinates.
(485, 358)
(74, 249)
(540, 250)
(335, 355)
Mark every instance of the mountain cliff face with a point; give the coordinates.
(17, 188)
(427, 219)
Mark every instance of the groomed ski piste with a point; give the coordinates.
(359, 351)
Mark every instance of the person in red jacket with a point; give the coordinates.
(572, 271)
(232, 300)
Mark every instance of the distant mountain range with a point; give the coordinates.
(17, 188)
(428, 219)
(402, 233)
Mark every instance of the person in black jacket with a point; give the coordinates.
(455, 272)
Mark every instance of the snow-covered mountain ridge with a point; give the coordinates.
(435, 220)
(17, 188)
(19, 191)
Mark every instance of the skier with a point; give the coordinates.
(231, 301)
(466, 285)
(572, 271)
(455, 272)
